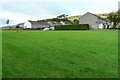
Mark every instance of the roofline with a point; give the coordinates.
(92, 14)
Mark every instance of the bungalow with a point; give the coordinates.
(94, 21)
(65, 22)
(53, 23)
(20, 25)
(35, 24)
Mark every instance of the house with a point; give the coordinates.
(65, 22)
(118, 26)
(94, 21)
(53, 23)
(20, 25)
(35, 24)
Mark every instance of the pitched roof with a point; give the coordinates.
(53, 22)
(56, 23)
(94, 15)
(38, 22)
(20, 24)
(67, 22)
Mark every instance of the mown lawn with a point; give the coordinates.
(60, 54)
(0, 54)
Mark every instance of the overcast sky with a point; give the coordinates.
(23, 10)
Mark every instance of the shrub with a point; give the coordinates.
(72, 27)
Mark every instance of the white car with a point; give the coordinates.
(52, 28)
(46, 29)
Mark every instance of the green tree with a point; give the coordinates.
(114, 17)
(8, 21)
(63, 16)
(75, 21)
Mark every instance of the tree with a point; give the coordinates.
(8, 21)
(59, 18)
(63, 16)
(76, 21)
(114, 17)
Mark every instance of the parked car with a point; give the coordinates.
(46, 29)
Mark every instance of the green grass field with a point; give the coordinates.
(60, 54)
(0, 54)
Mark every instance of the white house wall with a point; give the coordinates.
(101, 26)
(27, 24)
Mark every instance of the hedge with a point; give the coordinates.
(72, 27)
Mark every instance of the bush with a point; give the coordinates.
(72, 27)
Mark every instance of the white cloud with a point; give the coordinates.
(62, 1)
(18, 16)
(14, 18)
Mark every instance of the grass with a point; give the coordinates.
(60, 54)
(0, 54)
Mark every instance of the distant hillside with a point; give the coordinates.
(71, 18)
(104, 15)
